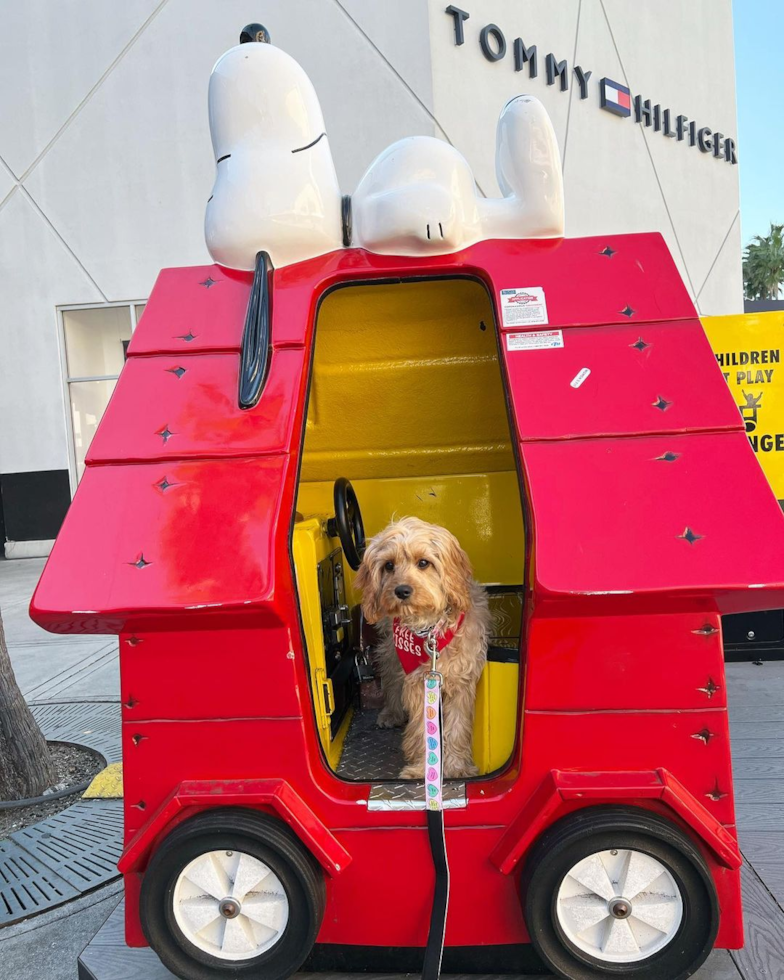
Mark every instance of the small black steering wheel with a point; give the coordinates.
(348, 522)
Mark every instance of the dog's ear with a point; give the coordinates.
(456, 571)
(368, 581)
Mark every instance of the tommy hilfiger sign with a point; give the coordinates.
(613, 96)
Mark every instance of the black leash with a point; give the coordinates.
(434, 950)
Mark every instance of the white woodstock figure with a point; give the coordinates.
(419, 195)
(276, 189)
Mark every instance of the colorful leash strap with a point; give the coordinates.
(434, 803)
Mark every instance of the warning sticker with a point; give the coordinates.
(535, 340)
(523, 305)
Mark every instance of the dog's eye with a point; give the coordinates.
(423, 563)
(389, 566)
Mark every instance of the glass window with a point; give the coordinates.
(96, 344)
(94, 340)
(88, 403)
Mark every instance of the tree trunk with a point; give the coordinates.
(25, 767)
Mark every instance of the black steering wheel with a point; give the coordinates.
(348, 522)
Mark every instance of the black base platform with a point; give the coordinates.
(106, 957)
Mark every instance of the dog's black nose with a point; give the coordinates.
(403, 592)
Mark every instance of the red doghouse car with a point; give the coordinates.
(553, 402)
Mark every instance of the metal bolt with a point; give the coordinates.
(614, 853)
(229, 854)
(620, 909)
(751, 634)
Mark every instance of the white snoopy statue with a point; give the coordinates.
(276, 189)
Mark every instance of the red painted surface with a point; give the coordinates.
(195, 407)
(621, 394)
(610, 516)
(191, 317)
(202, 562)
(275, 795)
(582, 286)
(194, 657)
(683, 648)
(558, 789)
(619, 675)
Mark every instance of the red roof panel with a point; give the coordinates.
(194, 309)
(173, 407)
(643, 378)
(641, 523)
(160, 545)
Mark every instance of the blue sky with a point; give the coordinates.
(759, 67)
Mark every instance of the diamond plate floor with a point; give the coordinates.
(371, 753)
(76, 850)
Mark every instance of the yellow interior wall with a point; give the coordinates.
(310, 545)
(407, 401)
(481, 509)
(495, 721)
(406, 382)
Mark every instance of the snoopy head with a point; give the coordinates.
(275, 185)
(260, 97)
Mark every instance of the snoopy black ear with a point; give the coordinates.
(254, 32)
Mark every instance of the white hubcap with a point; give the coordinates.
(619, 906)
(230, 905)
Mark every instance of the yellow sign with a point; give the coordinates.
(748, 348)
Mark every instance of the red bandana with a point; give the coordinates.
(410, 646)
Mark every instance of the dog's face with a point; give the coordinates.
(416, 572)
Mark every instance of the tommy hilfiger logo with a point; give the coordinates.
(614, 97)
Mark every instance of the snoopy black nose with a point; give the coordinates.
(403, 592)
(254, 32)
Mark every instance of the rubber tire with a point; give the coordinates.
(267, 839)
(602, 828)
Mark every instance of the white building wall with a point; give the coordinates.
(106, 162)
(619, 176)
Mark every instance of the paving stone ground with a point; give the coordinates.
(48, 665)
(47, 947)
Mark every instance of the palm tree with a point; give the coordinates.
(25, 766)
(763, 265)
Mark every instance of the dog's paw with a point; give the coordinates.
(391, 718)
(412, 771)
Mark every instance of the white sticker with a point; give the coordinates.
(523, 305)
(578, 379)
(535, 340)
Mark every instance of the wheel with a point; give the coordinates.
(232, 893)
(619, 892)
(348, 522)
